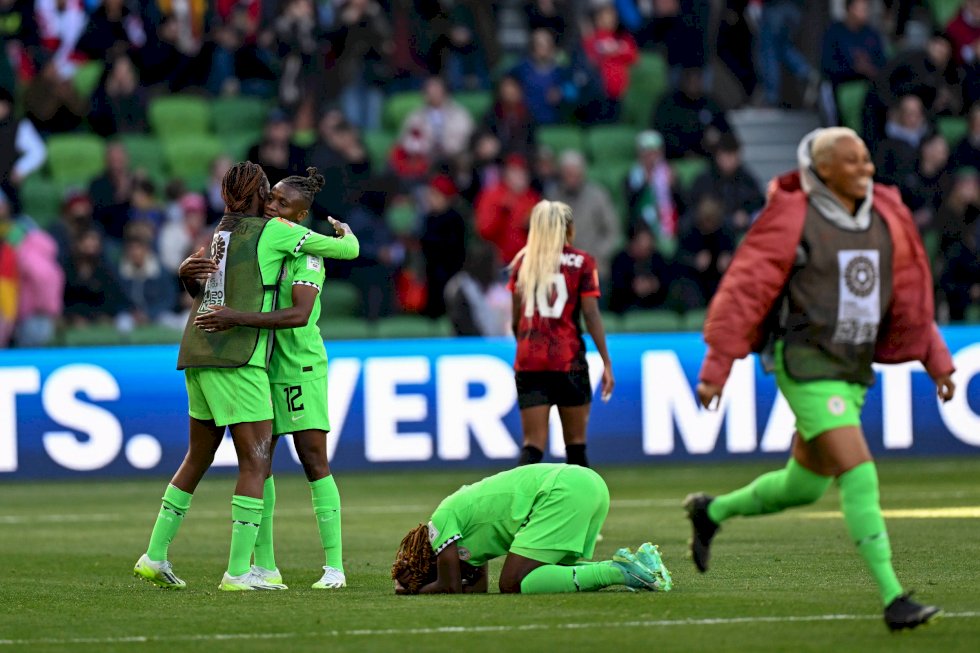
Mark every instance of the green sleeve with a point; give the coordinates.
(443, 529)
(291, 239)
(307, 270)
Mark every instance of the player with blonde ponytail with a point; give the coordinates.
(553, 284)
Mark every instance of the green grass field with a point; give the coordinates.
(778, 583)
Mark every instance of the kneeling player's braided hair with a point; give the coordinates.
(309, 185)
(414, 562)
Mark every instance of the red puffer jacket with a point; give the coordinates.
(737, 316)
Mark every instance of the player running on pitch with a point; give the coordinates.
(833, 272)
(227, 382)
(298, 375)
(544, 518)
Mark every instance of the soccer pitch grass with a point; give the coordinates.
(791, 582)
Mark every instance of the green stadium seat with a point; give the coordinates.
(476, 102)
(340, 299)
(232, 115)
(304, 138)
(953, 129)
(236, 145)
(95, 335)
(850, 103)
(649, 82)
(687, 170)
(379, 145)
(972, 314)
(651, 321)
(189, 158)
(397, 107)
(75, 158)
(145, 152)
(402, 218)
(694, 320)
(611, 143)
(176, 116)
(87, 78)
(560, 138)
(154, 334)
(944, 11)
(345, 328)
(612, 322)
(408, 326)
(41, 198)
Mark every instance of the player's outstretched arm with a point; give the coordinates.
(448, 580)
(593, 323)
(222, 318)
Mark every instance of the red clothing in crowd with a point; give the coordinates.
(502, 218)
(737, 316)
(612, 53)
(962, 35)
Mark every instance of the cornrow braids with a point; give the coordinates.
(309, 185)
(242, 181)
(414, 561)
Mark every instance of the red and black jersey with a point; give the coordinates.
(549, 336)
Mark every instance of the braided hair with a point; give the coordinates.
(414, 561)
(240, 184)
(308, 186)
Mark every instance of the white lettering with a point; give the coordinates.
(668, 396)
(896, 404)
(957, 414)
(570, 260)
(460, 414)
(778, 435)
(384, 407)
(61, 403)
(13, 381)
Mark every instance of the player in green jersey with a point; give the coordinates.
(298, 375)
(544, 518)
(236, 395)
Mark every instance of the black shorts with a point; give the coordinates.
(553, 389)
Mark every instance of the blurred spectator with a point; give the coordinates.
(690, 122)
(704, 251)
(484, 167)
(180, 238)
(477, 301)
(443, 241)
(18, 40)
(296, 33)
(779, 22)
(543, 79)
(967, 152)
(736, 44)
(276, 153)
(112, 193)
(340, 157)
(597, 227)
(960, 280)
(61, 24)
(964, 32)
(853, 49)
(92, 289)
(216, 204)
(650, 191)
(960, 209)
(119, 104)
(411, 159)
(149, 289)
(640, 276)
(545, 177)
(9, 276)
(897, 154)
(465, 59)
(112, 28)
(924, 188)
(171, 51)
(613, 51)
(76, 217)
(510, 120)
(678, 26)
(52, 102)
(358, 66)
(731, 182)
(925, 73)
(381, 255)
(502, 211)
(449, 124)
(550, 15)
(145, 207)
(22, 151)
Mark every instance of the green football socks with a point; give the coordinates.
(794, 485)
(860, 503)
(326, 509)
(555, 579)
(246, 517)
(175, 505)
(265, 556)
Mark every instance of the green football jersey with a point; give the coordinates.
(483, 518)
(284, 240)
(298, 353)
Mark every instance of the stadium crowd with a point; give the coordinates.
(438, 125)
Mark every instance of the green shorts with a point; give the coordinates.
(565, 522)
(820, 406)
(228, 395)
(300, 406)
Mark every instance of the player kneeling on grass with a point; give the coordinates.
(544, 518)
